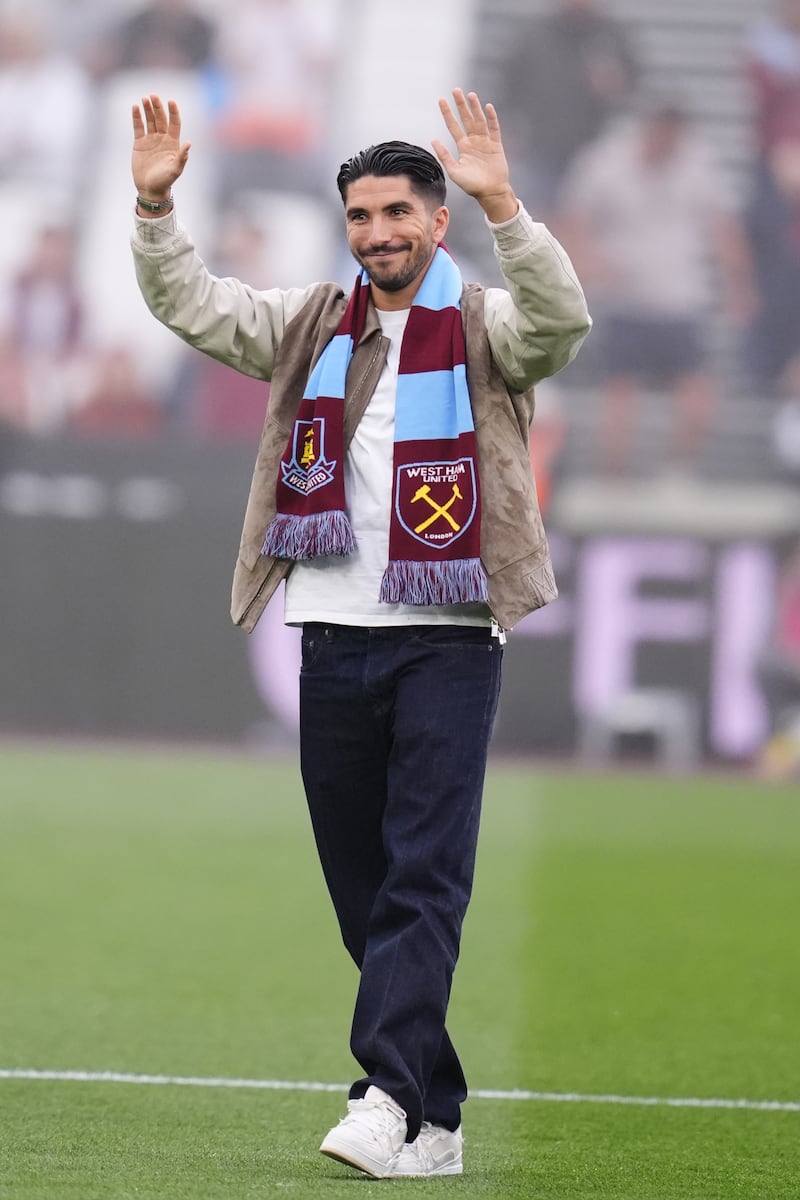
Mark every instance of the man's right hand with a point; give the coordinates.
(158, 155)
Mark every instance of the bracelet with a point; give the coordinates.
(159, 206)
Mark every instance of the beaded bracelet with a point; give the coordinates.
(158, 206)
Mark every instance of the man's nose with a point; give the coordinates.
(380, 231)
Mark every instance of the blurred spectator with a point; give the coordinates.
(45, 309)
(785, 430)
(644, 208)
(43, 315)
(79, 28)
(117, 403)
(45, 99)
(773, 67)
(15, 399)
(209, 399)
(779, 673)
(220, 404)
(278, 67)
(164, 34)
(563, 77)
(548, 436)
(772, 48)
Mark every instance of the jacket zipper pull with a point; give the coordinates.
(498, 633)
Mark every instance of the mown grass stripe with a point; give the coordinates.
(290, 1085)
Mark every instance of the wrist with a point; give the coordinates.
(499, 206)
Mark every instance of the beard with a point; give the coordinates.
(391, 276)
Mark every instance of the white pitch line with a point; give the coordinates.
(288, 1085)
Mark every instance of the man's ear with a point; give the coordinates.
(441, 220)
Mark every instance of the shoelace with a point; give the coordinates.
(425, 1139)
(376, 1109)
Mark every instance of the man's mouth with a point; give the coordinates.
(386, 251)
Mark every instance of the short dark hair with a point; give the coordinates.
(396, 158)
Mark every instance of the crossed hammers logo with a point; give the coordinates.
(439, 510)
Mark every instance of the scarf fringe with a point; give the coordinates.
(313, 536)
(457, 582)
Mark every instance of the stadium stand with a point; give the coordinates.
(694, 51)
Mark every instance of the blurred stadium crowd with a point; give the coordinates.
(671, 248)
(678, 258)
(256, 72)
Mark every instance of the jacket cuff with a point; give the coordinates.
(517, 235)
(155, 233)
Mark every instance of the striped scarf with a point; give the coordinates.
(434, 533)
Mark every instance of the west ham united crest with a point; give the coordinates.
(308, 468)
(436, 502)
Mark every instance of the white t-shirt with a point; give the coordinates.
(345, 591)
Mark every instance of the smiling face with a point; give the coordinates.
(393, 233)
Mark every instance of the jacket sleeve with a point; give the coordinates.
(537, 326)
(225, 318)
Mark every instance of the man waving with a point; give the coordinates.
(393, 494)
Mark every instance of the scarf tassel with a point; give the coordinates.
(457, 582)
(312, 536)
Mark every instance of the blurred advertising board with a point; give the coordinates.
(116, 567)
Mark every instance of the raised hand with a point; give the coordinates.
(480, 168)
(158, 155)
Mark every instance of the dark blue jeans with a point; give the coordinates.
(394, 727)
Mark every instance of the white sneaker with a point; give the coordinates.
(371, 1136)
(436, 1151)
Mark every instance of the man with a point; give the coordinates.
(642, 208)
(577, 65)
(772, 63)
(393, 492)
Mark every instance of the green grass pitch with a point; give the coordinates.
(630, 936)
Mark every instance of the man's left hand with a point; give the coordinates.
(481, 168)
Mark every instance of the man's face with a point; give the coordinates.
(661, 138)
(393, 234)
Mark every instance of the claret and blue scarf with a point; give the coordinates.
(434, 535)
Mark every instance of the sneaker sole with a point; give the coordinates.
(455, 1168)
(346, 1156)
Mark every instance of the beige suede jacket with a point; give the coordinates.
(514, 339)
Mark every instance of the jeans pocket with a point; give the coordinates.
(314, 640)
(456, 637)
